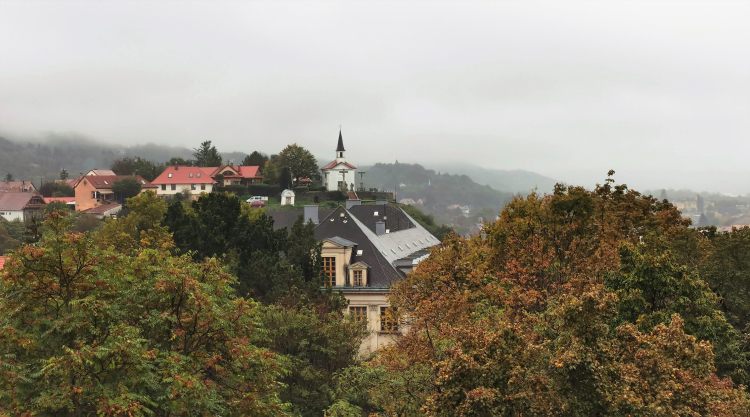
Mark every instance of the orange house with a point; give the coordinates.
(96, 190)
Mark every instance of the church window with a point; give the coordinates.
(357, 278)
(388, 323)
(329, 271)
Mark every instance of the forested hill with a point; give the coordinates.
(33, 161)
(437, 190)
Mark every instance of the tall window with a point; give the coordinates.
(173, 187)
(329, 271)
(358, 315)
(163, 187)
(357, 278)
(192, 186)
(203, 186)
(387, 322)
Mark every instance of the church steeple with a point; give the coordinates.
(340, 148)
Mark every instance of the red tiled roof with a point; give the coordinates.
(181, 175)
(104, 182)
(250, 172)
(16, 201)
(65, 200)
(332, 164)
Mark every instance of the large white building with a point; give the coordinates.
(339, 173)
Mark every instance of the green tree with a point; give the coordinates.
(206, 155)
(270, 174)
(255, 159)
(703, 220)
(7, 242)
(285, 178)
(179, 161)
(123, 166)
(56, 206)
(126, 187)
(300, 162)
(147, 169)
(663, 195)
(651, 289)
(63, 174)
(55, 189)
(9, 177)
(162, 336)
(699, 203)
(727, 271)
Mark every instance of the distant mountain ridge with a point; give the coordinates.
(513, 181)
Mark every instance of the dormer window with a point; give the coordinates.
(199, 175)
(170, 175)
(191, 175)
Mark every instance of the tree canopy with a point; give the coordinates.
(255, 159)
(206, 155)
(126, 187)
(300, 162)
(576, 303)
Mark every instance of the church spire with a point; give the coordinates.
(340, 148)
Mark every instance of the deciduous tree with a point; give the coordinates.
(300, 162)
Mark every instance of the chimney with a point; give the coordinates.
(380, 228)
(381, 202)
(311, 214)
(352, 203)
(176, 167)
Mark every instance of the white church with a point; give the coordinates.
(339, 173)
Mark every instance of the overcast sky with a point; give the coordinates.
(658, 91)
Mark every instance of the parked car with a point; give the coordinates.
(257, 204)
(256, 198)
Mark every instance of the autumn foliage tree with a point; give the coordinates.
(570, 304)
(88, 330)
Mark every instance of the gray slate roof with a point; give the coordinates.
(357, 226)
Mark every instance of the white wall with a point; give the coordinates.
(335, 176)
(12, 215)
(179, 187)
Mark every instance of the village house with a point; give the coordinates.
(366, 248)
(96, 190)
(196, 180)
(184, 179)
(23, 206)
(17, 186)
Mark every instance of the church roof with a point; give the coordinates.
(340, 148)
(333, 164)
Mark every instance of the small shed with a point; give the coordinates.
(287, 197)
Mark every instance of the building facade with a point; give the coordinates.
(365, 249)
(96, 190)
(21, 206)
